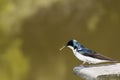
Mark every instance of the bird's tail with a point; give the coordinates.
(111, 60)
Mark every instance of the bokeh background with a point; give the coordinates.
(33, 31)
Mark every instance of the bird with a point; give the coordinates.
(86, 55)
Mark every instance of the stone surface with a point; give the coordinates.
(99, 72)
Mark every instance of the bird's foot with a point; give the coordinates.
(81, 65)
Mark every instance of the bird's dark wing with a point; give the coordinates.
(97, 55)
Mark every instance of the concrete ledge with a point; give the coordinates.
(99, 72)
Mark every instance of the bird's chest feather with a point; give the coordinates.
(87, 59)
(79, 56)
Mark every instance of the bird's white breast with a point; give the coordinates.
(86, 58)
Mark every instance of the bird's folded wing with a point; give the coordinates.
(97, 56)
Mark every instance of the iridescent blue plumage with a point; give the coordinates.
(87, 55)
(79, 47)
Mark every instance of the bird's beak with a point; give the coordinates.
(62, 48)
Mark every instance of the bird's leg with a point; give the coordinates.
(89, 63)
(82, 63)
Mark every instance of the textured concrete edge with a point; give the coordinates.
(77, 72)
(85, 71)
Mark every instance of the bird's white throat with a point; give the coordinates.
(71, 47)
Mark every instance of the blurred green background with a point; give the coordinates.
(32, 31)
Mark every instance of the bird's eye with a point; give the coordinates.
(75, 47)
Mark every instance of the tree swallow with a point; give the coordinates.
(86, 55)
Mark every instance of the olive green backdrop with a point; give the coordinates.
(33, 31)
